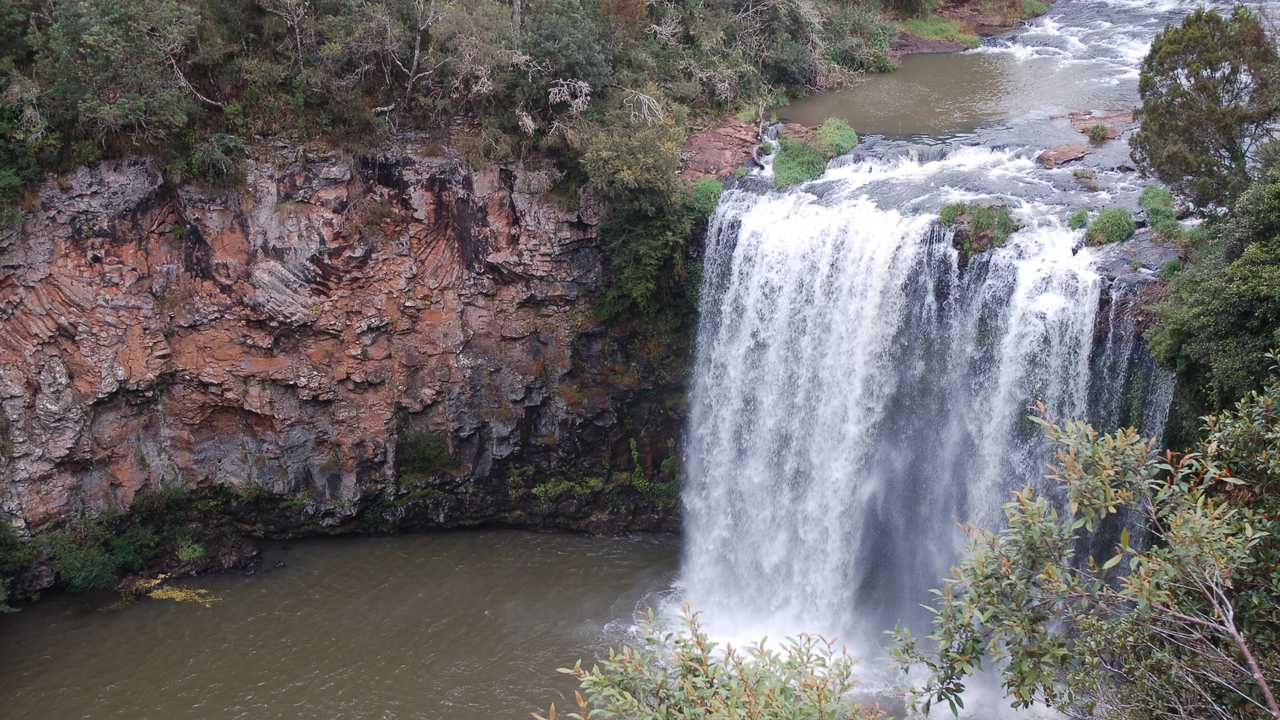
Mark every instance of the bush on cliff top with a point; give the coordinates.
(835, 137)
(796, 162)
(1112, 225)
(978, 227)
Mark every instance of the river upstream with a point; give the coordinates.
(857, 395)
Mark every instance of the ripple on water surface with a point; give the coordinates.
(458, 625)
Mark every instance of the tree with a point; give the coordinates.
(686, 675)
(1210, 91)
(1186, 627)
(1222, 311)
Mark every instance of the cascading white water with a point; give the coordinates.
(857, 397)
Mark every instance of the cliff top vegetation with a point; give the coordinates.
(197, 82)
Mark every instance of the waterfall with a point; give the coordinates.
(1129, 388)
(857, 397)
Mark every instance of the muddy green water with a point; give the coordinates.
(464, 625)
(944, 95)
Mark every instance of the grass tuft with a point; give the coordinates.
(935, 27)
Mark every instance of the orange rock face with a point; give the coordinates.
(1115, 123)
(284, 334)
(719, 150)
(1063, 154)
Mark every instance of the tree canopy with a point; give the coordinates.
(1210, 91)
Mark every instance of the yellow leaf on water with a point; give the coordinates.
(180, 594)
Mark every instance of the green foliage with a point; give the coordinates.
(835, 137)
(857, 38)
(93, 554)
(1078, 220)
(704, 195)
(1210, 91)
(82, 563)
(556, 488)
(797, 162)
(1034, 8)
(421, 454)
(1112, 225)
(1170, 269)
(15, 554)
(936, 27)
(635, 163)
(684, 674)
(568, 37)
(1223, 309)
(214, 160)
(1187, 626)
(1099, 134)
(912, 7)
(1163, 219)
(190, 550)
(1155, 198)
(978, 227)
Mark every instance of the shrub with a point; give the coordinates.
(1170, 269)
(858, 38)
(82, 564)
(190, 551)
(705, 194)
(1155, 197)
(1034, 8)
(912, 7)
(1112, 225)
(651, 277)
(15, 554)
(797, 162)
(1078, 220)
(686, 675)
(422, 453)
(1183, 627)
(635, 163)
(214, 160)
(982, 226)
(835, 137)
(1099, 134)
(131, 547)
(1220, 314)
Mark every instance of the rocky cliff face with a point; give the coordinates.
(287, 336)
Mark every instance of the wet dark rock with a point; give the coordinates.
(1140, 254)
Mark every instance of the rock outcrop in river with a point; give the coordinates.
(289, 335)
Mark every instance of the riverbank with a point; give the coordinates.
(958, 25)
